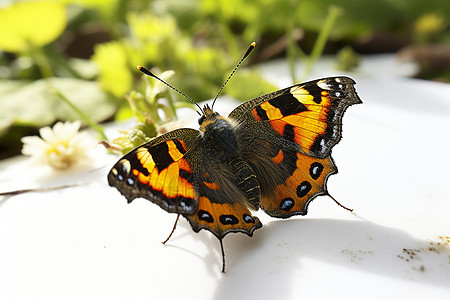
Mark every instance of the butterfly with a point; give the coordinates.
(272, 152)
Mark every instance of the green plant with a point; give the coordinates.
(80, 61)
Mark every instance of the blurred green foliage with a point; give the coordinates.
(87, 51)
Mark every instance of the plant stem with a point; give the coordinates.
(172, 105)
(41, 60)
(333, 13)
(292, 51)
(82, 115)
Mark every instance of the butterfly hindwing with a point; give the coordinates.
(159, 171)
(222, 218)
(306, 181)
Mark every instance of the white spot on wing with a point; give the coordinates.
(323, 84)
(126, 165)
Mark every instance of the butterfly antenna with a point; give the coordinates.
(252, 46)
(148, 73)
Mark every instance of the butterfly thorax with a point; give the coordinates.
(218, 136)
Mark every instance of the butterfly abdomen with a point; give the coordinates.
(246, 180)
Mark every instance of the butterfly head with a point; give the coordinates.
(220, 129)
(207, 117)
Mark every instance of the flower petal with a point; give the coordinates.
(60, 146)
(47, 134)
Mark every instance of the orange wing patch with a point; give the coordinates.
(167, 180)
(279, 157)
(308, 121)
(313, 121)
(306, 182)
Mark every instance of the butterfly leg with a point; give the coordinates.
(337, 202)
(173, 229)
(223, 256)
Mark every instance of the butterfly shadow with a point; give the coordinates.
(271, 264)
(211, 255)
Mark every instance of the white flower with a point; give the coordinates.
(60, 146)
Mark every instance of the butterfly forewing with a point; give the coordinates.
(159, 171)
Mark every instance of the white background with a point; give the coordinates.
(86, 242)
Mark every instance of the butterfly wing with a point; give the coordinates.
(307, 114)
(172, 171)
(306, 180)
(159, 171)
(222, 216)
(291, 133)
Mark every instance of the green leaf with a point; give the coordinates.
(31, 23)
(36, 104)
(115, 75)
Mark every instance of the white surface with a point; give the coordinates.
(86, 243)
